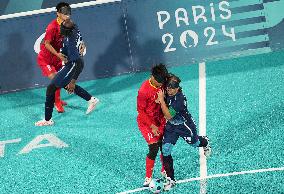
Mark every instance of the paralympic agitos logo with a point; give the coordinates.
(190, 38)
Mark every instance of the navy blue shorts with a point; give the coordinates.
(186, 130)
(64, 75)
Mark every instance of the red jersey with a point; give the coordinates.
(53, 35)
(149, 112)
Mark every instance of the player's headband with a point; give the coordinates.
(173, 84)
(66, 10)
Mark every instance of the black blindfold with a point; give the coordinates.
(173, 84)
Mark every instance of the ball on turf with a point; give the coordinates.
(156, 185)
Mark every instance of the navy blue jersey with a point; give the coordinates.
(71, 45)
(181, 124)
(177, 105)
(67, 73)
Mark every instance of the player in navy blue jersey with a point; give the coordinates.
(179, 124)
(69, 73)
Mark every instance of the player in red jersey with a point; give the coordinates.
(49, 58)
(150, 117)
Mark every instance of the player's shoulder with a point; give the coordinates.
(53, 24)
(144, 87)
(76, 28)
(180, 96)
(145, 84)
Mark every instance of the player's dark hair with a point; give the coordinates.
(173, 77)
(63, 8)
(160, 73)
(61, 4)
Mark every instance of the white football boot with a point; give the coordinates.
(147, 181)
(169, 184)
(44, 123)
(92, 104)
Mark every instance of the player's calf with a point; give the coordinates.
(59, 107)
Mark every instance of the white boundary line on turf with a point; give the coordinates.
(232, 174)
(48, 10)
(202, 126)
(214, 176)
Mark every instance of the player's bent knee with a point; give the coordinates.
(167, 149)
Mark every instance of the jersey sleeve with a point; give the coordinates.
(141, 107)
(49, 33)
(79, 38)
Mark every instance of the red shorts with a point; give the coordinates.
(47, 67)
(148, 135)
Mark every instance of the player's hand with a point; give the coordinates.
(62, 57)
(161, 95)
(70, 87)
(155, 130)
(82, 48)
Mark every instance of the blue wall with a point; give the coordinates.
(126, 36)
(16, 6)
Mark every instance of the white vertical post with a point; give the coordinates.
(202, 126)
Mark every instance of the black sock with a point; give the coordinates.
(203, 141)
(82, 93)
(49, 104)
(169, 166)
